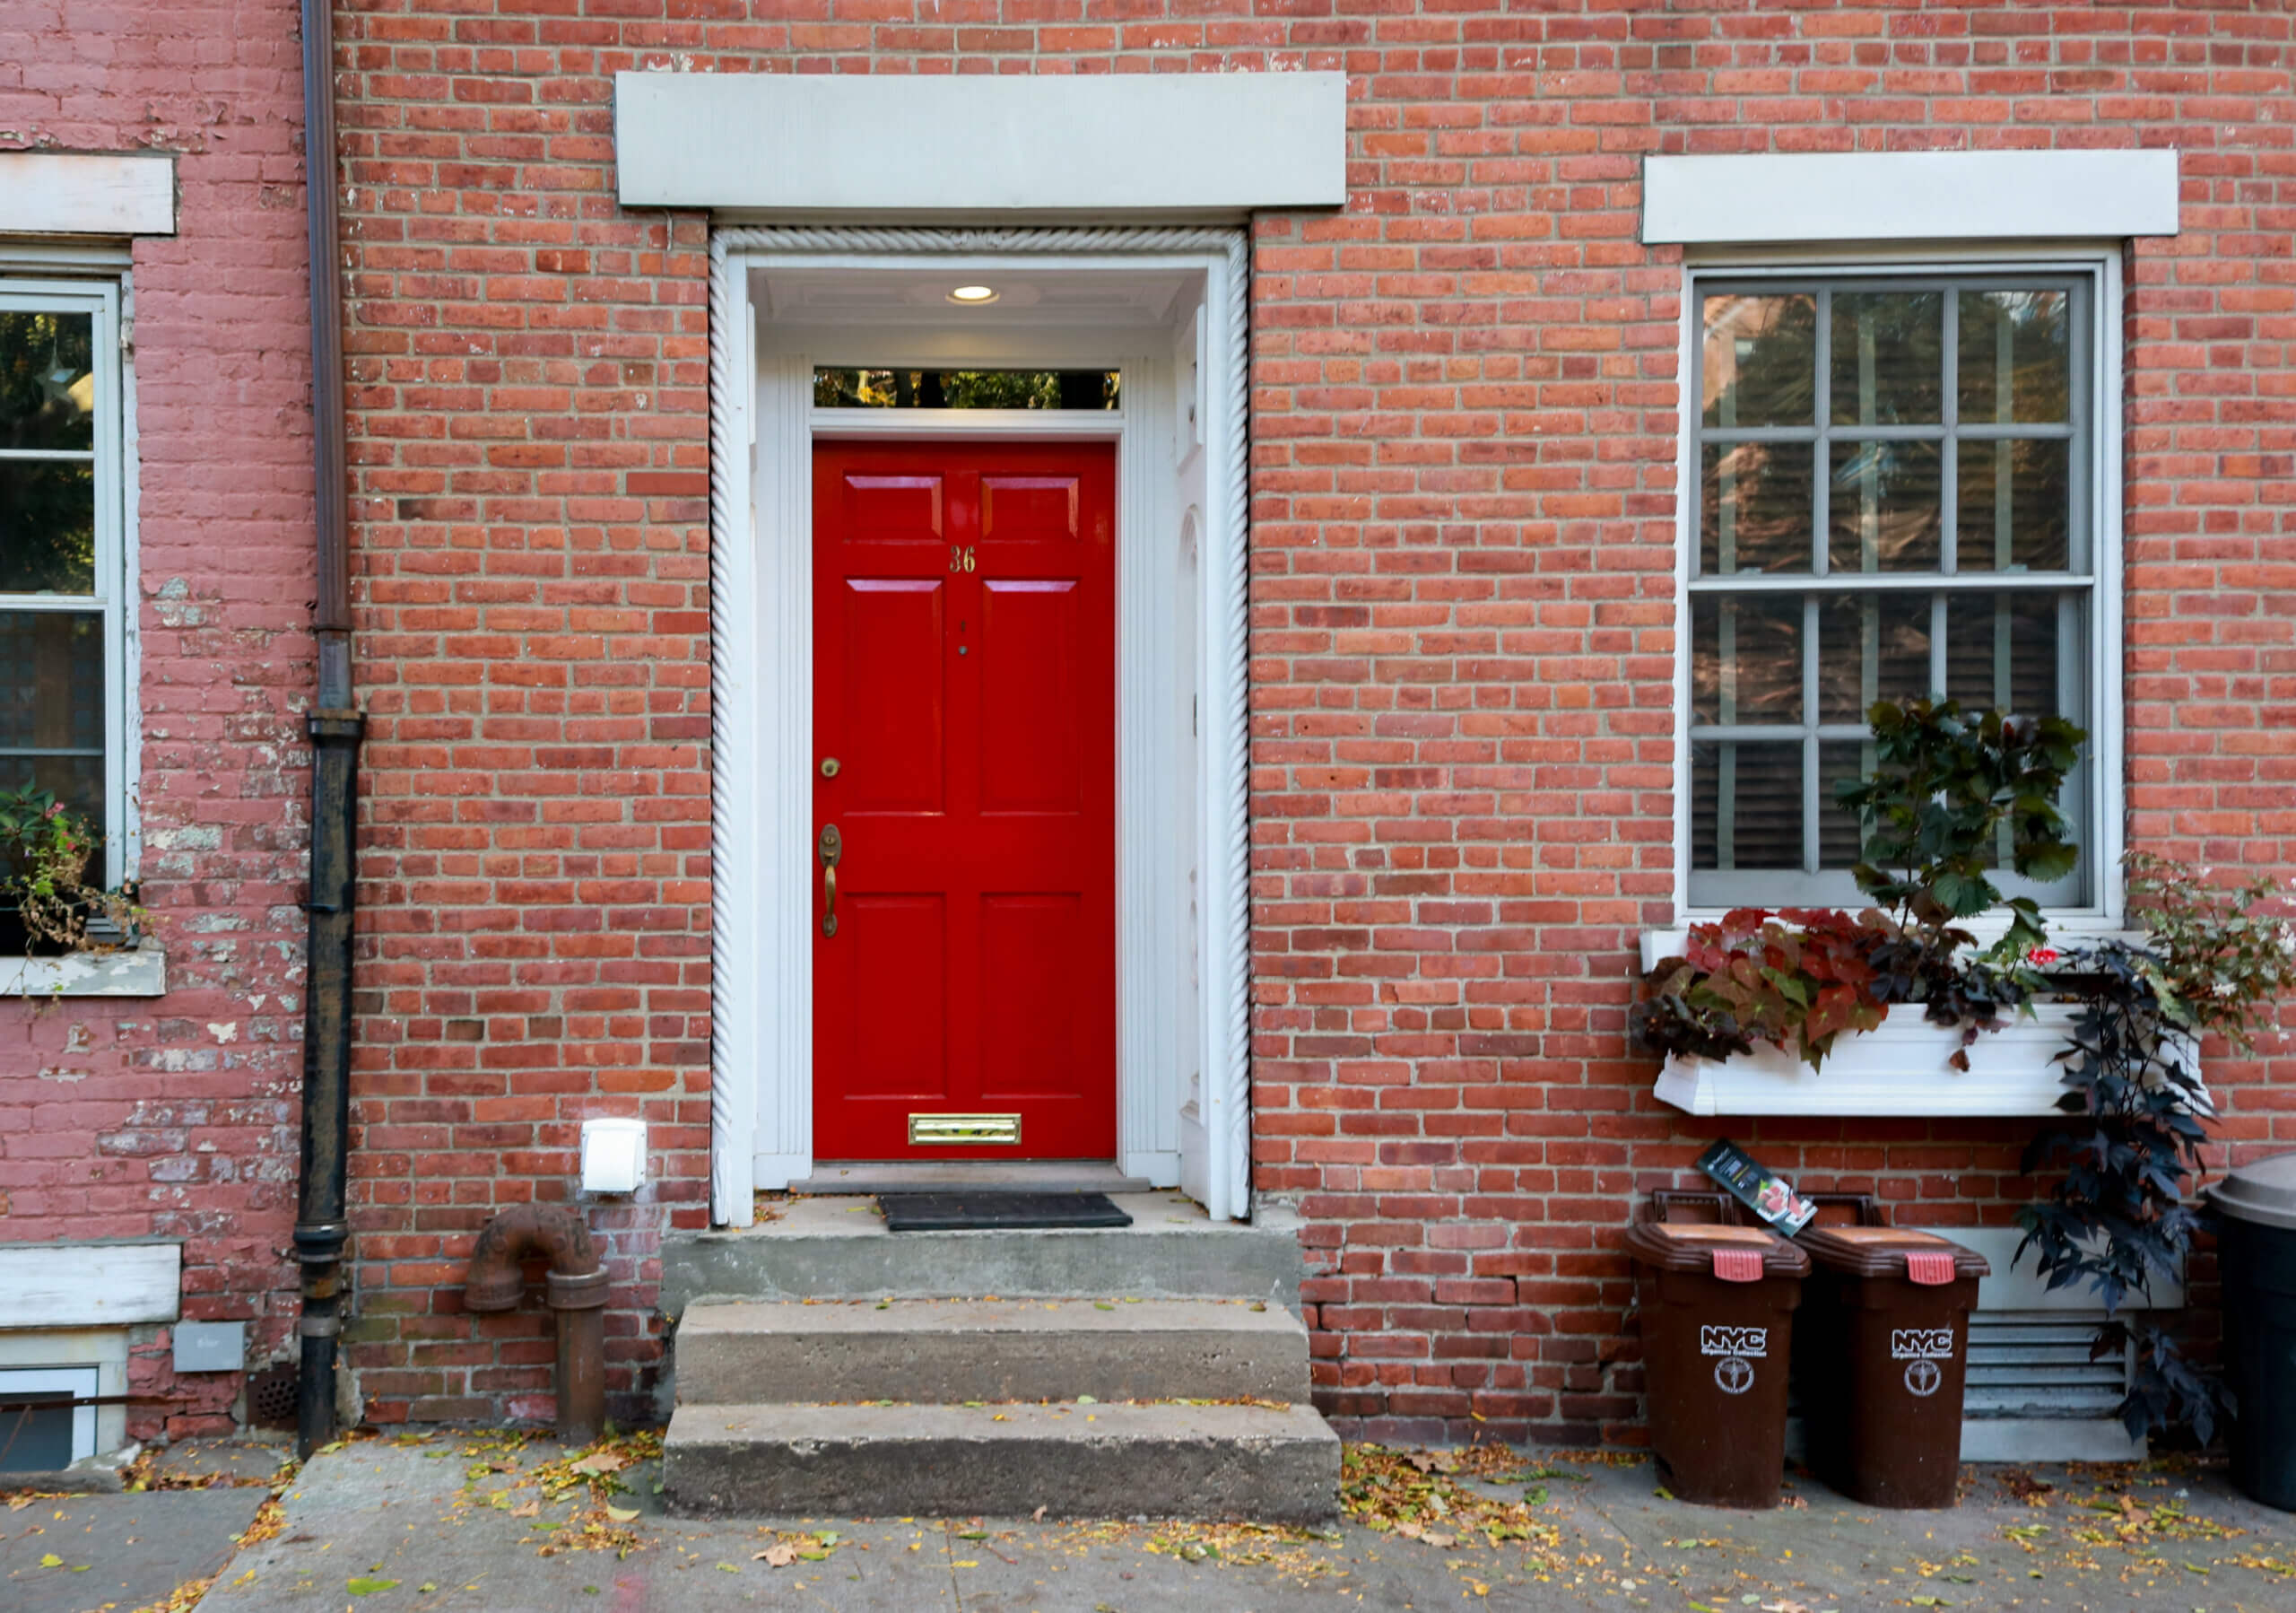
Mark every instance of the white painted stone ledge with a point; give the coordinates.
(127, 972)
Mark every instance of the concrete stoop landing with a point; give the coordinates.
(827, 1367)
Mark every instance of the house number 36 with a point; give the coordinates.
(961, 557)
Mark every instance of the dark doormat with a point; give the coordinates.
(998, 1212)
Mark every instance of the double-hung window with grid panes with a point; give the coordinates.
(62, 573)
(1892, 487)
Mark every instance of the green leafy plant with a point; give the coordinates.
(2224, 959)
(1945, 791)
(1948, 794)
(46, 850)
(2217, 960)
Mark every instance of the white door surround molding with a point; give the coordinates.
(1167, 307)
(975, 147)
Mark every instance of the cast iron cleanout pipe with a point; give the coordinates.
(576, 1291)
(334, 726)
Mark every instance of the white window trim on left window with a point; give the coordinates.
(95, 279)
(2100, 837)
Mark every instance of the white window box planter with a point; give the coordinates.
(1901, 1068)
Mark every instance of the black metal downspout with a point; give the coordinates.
(321, 1227)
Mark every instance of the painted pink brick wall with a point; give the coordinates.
(176, 1116)
(1464, 419)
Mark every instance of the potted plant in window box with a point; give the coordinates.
(1888, 1011)
(47, 906)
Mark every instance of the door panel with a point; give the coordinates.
(904, 937)
(1030, 757)
(1028, 1024)
(889, 508)
(964, 609)
(894, 632)
(1037, 507)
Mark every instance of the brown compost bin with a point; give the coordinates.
(1717, 1331)
(1883, 1351)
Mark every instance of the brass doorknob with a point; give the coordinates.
(830, 766)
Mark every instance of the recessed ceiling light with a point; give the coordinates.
(973, 294)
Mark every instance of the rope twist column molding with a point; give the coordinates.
(730, 1171)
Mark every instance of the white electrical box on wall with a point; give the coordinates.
(613, 1155)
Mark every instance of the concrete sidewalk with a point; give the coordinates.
(446, 1522)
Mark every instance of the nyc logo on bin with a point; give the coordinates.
(1732, 1341)
(1733, 1373)
(1921, 1349)
(1921, 1344)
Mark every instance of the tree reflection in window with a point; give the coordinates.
(840, 389)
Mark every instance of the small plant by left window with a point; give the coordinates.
(52, 895)
(64, 860)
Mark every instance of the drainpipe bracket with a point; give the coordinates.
(336, 725)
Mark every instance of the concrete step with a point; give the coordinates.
(838, 1249)
(1076, 1462)
(1003, 1349)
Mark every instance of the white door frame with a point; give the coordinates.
(763, 428)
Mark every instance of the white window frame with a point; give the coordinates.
(2100, 838)
(108, 301)
(81, 1382)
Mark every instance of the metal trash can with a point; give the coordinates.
(1884, 1344)
(1717, 1327)
(2256, 1257)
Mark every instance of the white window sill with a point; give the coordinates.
(140, 970)
(2072, 930)
(1901, 1068)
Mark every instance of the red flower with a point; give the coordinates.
(2043, 955)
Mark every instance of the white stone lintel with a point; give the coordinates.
(99, 193)
(1028, 147)
(1778, 197)
(124, 971)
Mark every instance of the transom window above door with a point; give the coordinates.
(837, 388)
(1893, 487)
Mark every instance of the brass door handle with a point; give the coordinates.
(832, 848)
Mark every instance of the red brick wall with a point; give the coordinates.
(528, 435)
(176, 1116)
(1464, 396)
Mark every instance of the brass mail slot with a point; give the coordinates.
(967, 1129)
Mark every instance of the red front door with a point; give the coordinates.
(964, 741)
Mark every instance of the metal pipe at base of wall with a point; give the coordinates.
(322, 1230)
(496, 1280)
(580, 1303)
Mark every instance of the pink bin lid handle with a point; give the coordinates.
(1738, 1265)
(1931, 1268)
